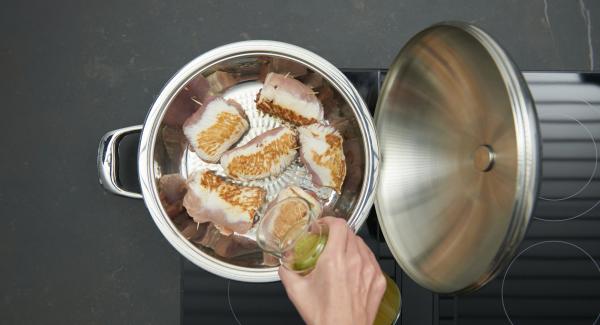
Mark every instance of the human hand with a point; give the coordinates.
(346, 285)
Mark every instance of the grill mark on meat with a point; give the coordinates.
(268, 107)
(211, 139)
(266, 155)
(246, 198)
(323, 154)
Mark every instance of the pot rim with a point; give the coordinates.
(241, 49)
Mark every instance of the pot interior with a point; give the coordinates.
(240, 77)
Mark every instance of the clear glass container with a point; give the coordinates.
(292, 233)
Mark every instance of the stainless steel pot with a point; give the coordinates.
(234, 71)
(460, 167)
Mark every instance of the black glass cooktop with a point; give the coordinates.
(554, 280)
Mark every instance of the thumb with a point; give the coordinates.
(288, 277)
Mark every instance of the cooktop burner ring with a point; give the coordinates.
(591, 178)
(592, 174)
(573, 217)
(589, 256)
(237, 320)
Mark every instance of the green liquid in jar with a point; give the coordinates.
(306, 252)
(389, 308)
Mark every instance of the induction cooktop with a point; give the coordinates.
(555, 277)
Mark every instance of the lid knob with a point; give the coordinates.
(483, 158)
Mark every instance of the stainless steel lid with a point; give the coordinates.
(460, 148)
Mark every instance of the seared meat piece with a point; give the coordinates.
(219, 81)
(174, 141)
(270, 260)
(289, 99)
(284, 66)
(292, 207)
(191, 230)
(226, 246)
(171, 189)
(230, 206)
(295, 191)
(280, 218)
(186, 102)
(266, 155)
(215, 127)
(323, 155)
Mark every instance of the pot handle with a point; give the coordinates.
(108, 161)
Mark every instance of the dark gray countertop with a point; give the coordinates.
(71, 253)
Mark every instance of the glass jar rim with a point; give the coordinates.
(304, 222)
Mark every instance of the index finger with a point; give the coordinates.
(338, 235)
